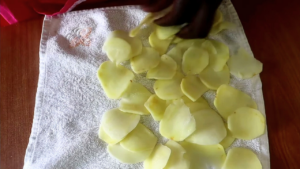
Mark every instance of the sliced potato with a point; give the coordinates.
(243, 65)
(165, 32)
(194, 60)
(217, 28)
(147, 59)
(213, 79)
(210, 128)
(177, 123)
(139, 139)
(177, 40)
(199, 104)
(196, 106)
(218, 61)
(218, 17)
(156, 107)
(185, 44)
(134, 99)
(228, 99)
(126, 156)
(149, 18)
(117, 124)
(135, 43)
(178, 158)
(120, 47)
(246, 123)
(241, 158)
(158, 158)
(176, 54)
(160, 45)
(135, 88)
(192, 87)
(117, 49)
(169, 89)
(228, 140)
(103, 136)
(166, 69)
(186, 100)
(209, 47)
(114, 79)
(204, 157)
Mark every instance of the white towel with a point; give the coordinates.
(70, 101)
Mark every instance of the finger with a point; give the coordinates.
(201, 24)
(182, 12)
(157, 5)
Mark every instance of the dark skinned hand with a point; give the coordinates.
(198, 14)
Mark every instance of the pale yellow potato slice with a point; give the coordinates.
(177, 40)
(209, 47)
(186, 100)
(241, 158)
(178, 157)
(176, 54)
(126, 156)
(210, 128)
(218, 17)
(185, 44)
(194, 60)
(165, 32)
(158, 158)
(135, 88)
(246, 123)
(147, 59)
(134, 99)
(156, 107)
(228, 99)
(117, 49)
(135, 104)
(135, 43)
(196, 106)
(166, 69)
(218, 61)
(114, 79)
(158, 44)
(199, 104)
(243, 65)
(192, 87)
(228, 140)
(204, 157)
(103, 136)
(213, 79)
(117, 124)
(149, 18)
(169, 89)
(139, 139)
(217, 28)
(178, 123)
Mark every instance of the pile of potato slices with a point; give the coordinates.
(197, 134)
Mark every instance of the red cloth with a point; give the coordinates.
(13, 11)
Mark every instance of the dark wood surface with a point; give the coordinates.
(273, 31)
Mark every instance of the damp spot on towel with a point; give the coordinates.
(80, 36)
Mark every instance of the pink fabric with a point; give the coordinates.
(14, 11)
(6, 13)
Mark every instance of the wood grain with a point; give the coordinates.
(19, 71)
(272, 28)
(273, 31)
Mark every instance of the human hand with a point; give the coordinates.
(198, 14)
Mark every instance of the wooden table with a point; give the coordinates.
(273, 31)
